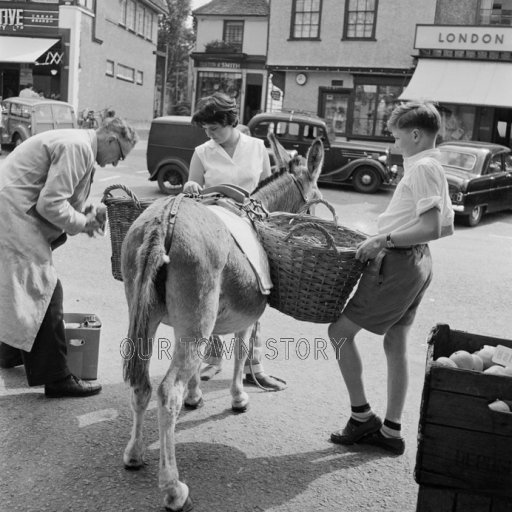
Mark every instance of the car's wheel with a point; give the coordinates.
(17, 140)
(366, 179)
(171, 179)
(474, 217)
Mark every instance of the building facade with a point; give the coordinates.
(346, 61)
(230, 53)
(94, 54)
(464, 62)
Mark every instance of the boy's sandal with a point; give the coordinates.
(355, 430)
(395, 445)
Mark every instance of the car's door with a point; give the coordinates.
(500, 178)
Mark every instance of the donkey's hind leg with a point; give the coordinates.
(133, 457)
(239, 398)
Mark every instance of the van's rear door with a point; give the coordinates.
(63, 116)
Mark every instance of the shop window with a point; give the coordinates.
(234, 34)
(306, 16)
(125, 73)
(209, 82)
(373, 105)
(109, 70)
(360, 19)
(139, 77)
(457, 122)
(494, 12)
(334, 108)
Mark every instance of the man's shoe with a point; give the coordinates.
(354, 430)
(9, 356)
(71, 386)
(266, 381)
(395, 445)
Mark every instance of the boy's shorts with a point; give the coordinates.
(391, 289)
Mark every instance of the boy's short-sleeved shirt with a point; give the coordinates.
(422, 187)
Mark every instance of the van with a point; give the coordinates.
(24, 117)
(171, 143)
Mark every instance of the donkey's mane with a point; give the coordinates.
(273, 177)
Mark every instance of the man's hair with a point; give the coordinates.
(121, 128)
(217, 108)
(415, 114)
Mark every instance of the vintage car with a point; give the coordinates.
(171, 143)
(24, 117)
(364, 165)
(479, 176)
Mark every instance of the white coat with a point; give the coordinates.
(44, 184)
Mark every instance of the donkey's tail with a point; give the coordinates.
(151, 256)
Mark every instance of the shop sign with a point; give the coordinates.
(460, 37)
(16, 17)
(220, 64)
(275, 95)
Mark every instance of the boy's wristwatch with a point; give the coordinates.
(389, 243)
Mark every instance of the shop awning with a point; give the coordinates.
(23, 49)
(462, 82)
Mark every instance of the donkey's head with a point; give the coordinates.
(294, 184)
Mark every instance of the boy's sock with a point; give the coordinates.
(391, 429)
(361, 413)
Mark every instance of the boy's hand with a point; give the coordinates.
(191, 187)
(369, 249)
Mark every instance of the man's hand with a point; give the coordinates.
(95, 220)
(191, 187)
(369, 249)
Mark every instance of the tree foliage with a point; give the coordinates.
(176, 39)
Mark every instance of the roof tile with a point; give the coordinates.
(234, 8)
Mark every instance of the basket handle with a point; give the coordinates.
(303, 210)
(129, 193)
(329, 240)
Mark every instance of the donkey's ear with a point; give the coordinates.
(281, 156)
(315, 158)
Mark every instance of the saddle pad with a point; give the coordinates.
(246, 238)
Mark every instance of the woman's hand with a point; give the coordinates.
(191, 187)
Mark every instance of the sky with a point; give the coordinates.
(194, 4)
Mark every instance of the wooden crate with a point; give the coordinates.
(462, 444)
(443, 499)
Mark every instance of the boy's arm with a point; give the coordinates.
(425, 229)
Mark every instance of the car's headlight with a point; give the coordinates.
(383, 158)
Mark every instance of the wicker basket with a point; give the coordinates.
(312, 264)
(121, 212)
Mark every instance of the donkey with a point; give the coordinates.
(197, 280)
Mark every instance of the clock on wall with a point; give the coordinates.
(301, 78)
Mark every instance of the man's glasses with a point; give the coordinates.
(122, 157)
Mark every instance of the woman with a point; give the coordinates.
(229, 157)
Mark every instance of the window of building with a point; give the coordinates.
(148, 30)
(88, 4)
(457, 122)
(122, 11)
(209, 82)
(109, 71)
(130, 14)
(360, 19)
(125, 73)
(494, 12)
(373, 104)
(139, 78)
(140, 20)
(334, 109)
(234, 34)
(306, 19)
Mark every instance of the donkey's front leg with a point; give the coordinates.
(239, 398)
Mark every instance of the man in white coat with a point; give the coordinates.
(44, 184)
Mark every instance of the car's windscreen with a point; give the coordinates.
(458, 159)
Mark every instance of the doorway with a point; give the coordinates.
(503, 127)
(253, 91)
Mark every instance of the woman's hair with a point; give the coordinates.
(121, 128)
(217, 108)
(415, 114)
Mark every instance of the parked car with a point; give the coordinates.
(24, 117)
(365, 165)
(171, 143)
(479, 176)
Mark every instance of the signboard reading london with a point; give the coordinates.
(463, 37)
(22, 17)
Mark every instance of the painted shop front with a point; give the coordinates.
(32, 49)
(468, 71)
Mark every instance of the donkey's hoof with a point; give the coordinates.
(188, 506)
(238, 408)
(193, 406)
(134, 465)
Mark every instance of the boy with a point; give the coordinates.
(398, 272)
